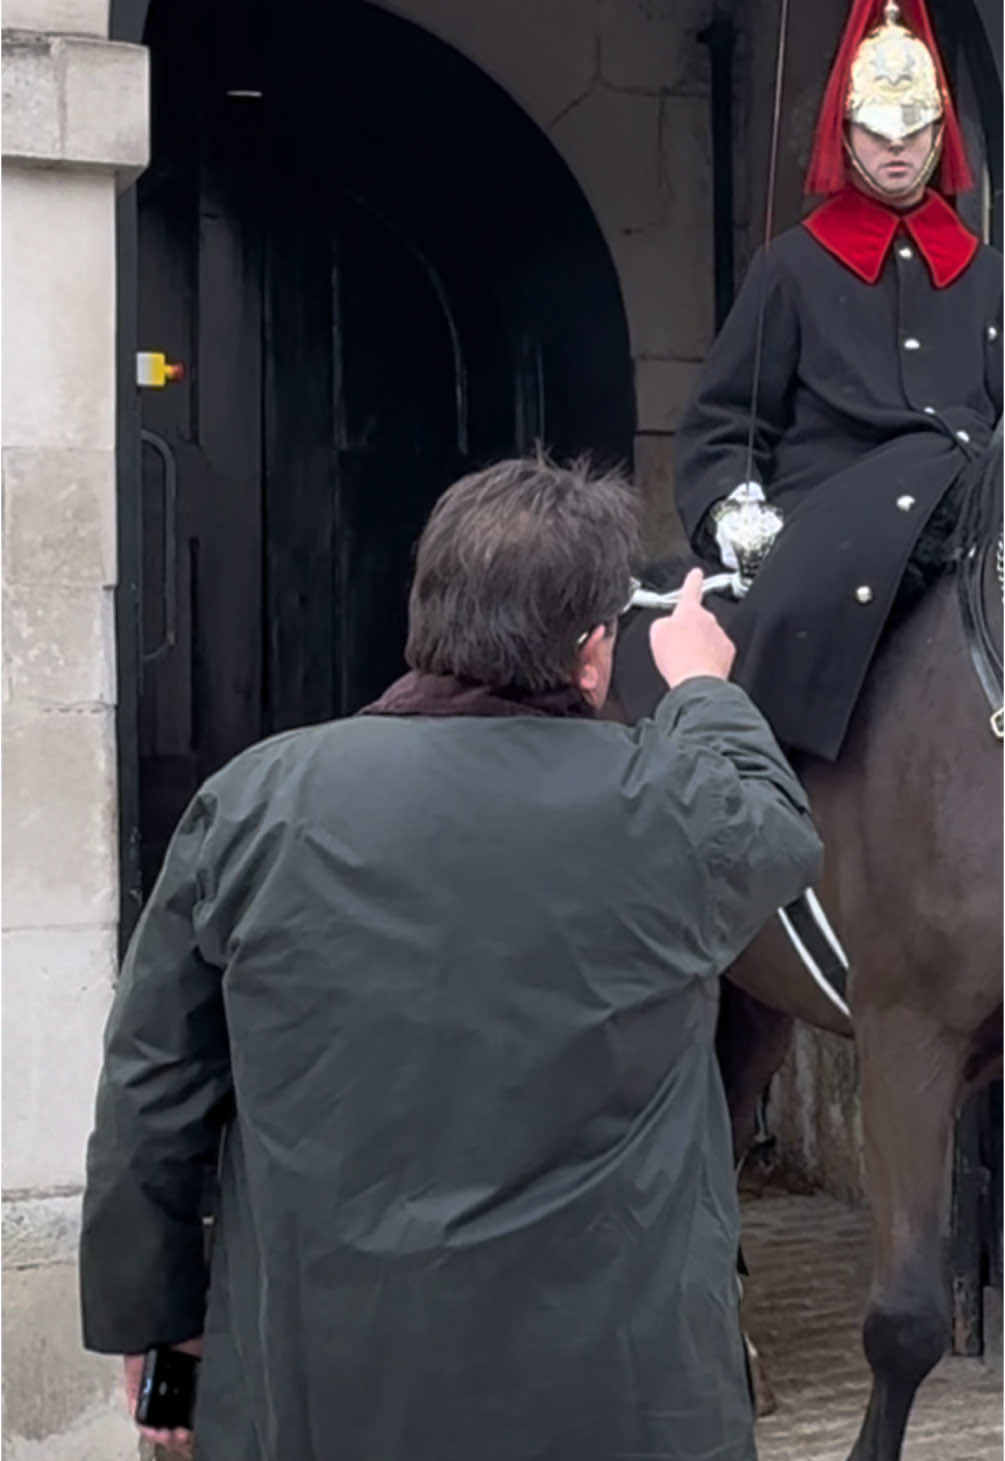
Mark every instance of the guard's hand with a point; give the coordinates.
(176, 1442)
(724, 544)
(689, 642)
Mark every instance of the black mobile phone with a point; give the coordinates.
(167, 1389)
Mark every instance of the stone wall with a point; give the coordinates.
(621, 87)
(816, 1119)
(74, 127)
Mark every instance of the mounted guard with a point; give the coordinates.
(856, 381)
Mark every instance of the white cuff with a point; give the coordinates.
(747, 492)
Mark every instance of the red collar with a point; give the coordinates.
(859, 231)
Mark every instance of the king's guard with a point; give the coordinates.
(873, 332)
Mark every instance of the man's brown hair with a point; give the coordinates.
(515, 563)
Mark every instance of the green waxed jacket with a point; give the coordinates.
(448, 987)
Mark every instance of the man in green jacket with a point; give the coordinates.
(443, 978)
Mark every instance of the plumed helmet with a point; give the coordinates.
(894, 89)
(888, 76)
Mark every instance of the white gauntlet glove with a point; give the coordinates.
(745, 528)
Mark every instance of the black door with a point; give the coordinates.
(357, 328)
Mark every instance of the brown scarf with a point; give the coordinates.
(420, 694)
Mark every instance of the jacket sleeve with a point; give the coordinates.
(163, 1098)
(748, 817)
(710, 447)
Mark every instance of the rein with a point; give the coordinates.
(977, 628)
(980, 559)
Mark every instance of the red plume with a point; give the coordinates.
(826, 173)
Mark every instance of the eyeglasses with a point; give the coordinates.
(633, 587)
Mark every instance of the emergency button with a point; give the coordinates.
(154, 369)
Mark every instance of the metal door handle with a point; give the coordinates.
(170, 593)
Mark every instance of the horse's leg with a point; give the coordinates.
(910, 1072)
(751, 1041)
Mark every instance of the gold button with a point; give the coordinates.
(905, 503)
(912, 344)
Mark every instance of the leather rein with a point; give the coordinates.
(985, 653)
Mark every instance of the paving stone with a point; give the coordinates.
(803, 1306)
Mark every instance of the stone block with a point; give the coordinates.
(59, 817)
(611, 140)
(59, 1403)
(106, 105)
(75, 101)
(663, 389)
(815, 1114)
(59, 644)
(668, 293)
(653, 44)
(59, 516)
(814, 32)
(543, 54)
(40, 1230)
(58, 986)
(73, 17)
(666, 268)
(59, 309)
(662, 533)
(32, 125)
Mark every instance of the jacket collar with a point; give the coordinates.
(418, 693)
(859, 231)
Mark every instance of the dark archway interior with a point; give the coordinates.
(378, 274)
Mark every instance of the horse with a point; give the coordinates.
(910, 816)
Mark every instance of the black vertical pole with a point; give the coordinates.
(720, 38)
(127, 22)
(127, 592)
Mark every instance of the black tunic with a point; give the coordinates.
(873, 398)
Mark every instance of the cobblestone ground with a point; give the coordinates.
(803, 1307)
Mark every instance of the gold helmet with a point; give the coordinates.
(894, 88)
(887, 76)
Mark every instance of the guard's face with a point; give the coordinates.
(896, 171)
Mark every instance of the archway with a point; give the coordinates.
(377, 273)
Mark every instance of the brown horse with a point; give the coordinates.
(911, 821)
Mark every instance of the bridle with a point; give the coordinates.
(973, 584)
